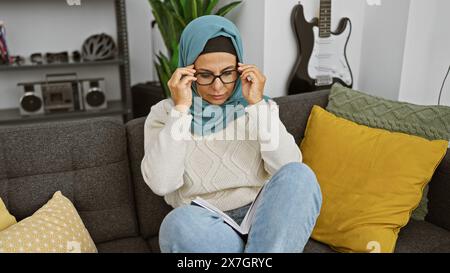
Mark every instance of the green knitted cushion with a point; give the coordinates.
(431, 122)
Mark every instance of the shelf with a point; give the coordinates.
(122, 106)
(13, 116)
(59, 65)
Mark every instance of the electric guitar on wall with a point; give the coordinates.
(322, 57)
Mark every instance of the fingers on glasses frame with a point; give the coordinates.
(217, 76)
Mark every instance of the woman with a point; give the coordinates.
(216, 160)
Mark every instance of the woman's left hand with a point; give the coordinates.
(252, 90)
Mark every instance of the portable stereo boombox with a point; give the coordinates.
(62, 95)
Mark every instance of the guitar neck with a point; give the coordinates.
(325, 19)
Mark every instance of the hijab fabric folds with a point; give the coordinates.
(209, 118)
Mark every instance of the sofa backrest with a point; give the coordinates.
(439, 195)
(295, 110)
(294, 113)
(86, 160)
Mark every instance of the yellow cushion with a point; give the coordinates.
(371, 180)
(56, 227)
(6, 219)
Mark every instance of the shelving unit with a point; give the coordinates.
(12, 116)
(59, 65)
(123, 107)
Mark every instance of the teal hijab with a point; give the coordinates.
(208, 118)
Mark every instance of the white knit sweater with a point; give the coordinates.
(226, 173)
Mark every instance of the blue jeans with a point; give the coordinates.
(283, 222)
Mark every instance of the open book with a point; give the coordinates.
(244, 228)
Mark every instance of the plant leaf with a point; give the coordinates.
(163, 79)
(178, 9)
(164, 72)
(180, 20)
(225, 9)
(199, 7)
(187, 9)
(210, 5)
(174, 58)
(158, 12)
(172, 33)
(194, 9)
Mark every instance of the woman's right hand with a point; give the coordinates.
(180, 85)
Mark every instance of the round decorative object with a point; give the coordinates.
(30, 102)
(99, 47)
(95, 97)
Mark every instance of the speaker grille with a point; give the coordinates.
(31, 103)
(95, 98)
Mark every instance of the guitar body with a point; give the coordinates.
(322, 61)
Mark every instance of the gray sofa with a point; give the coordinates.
(96, 164)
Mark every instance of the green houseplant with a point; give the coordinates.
(172, 16)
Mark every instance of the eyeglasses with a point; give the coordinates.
(226, 77)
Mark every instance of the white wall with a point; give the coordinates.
(383, 42)
(427, 53)
(139, 17)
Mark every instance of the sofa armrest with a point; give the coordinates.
(150, 208)
(439, 195)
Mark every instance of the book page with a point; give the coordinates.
(250, 215)
(244, 228)
(226, 218)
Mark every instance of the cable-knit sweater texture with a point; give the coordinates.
(225, 172)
